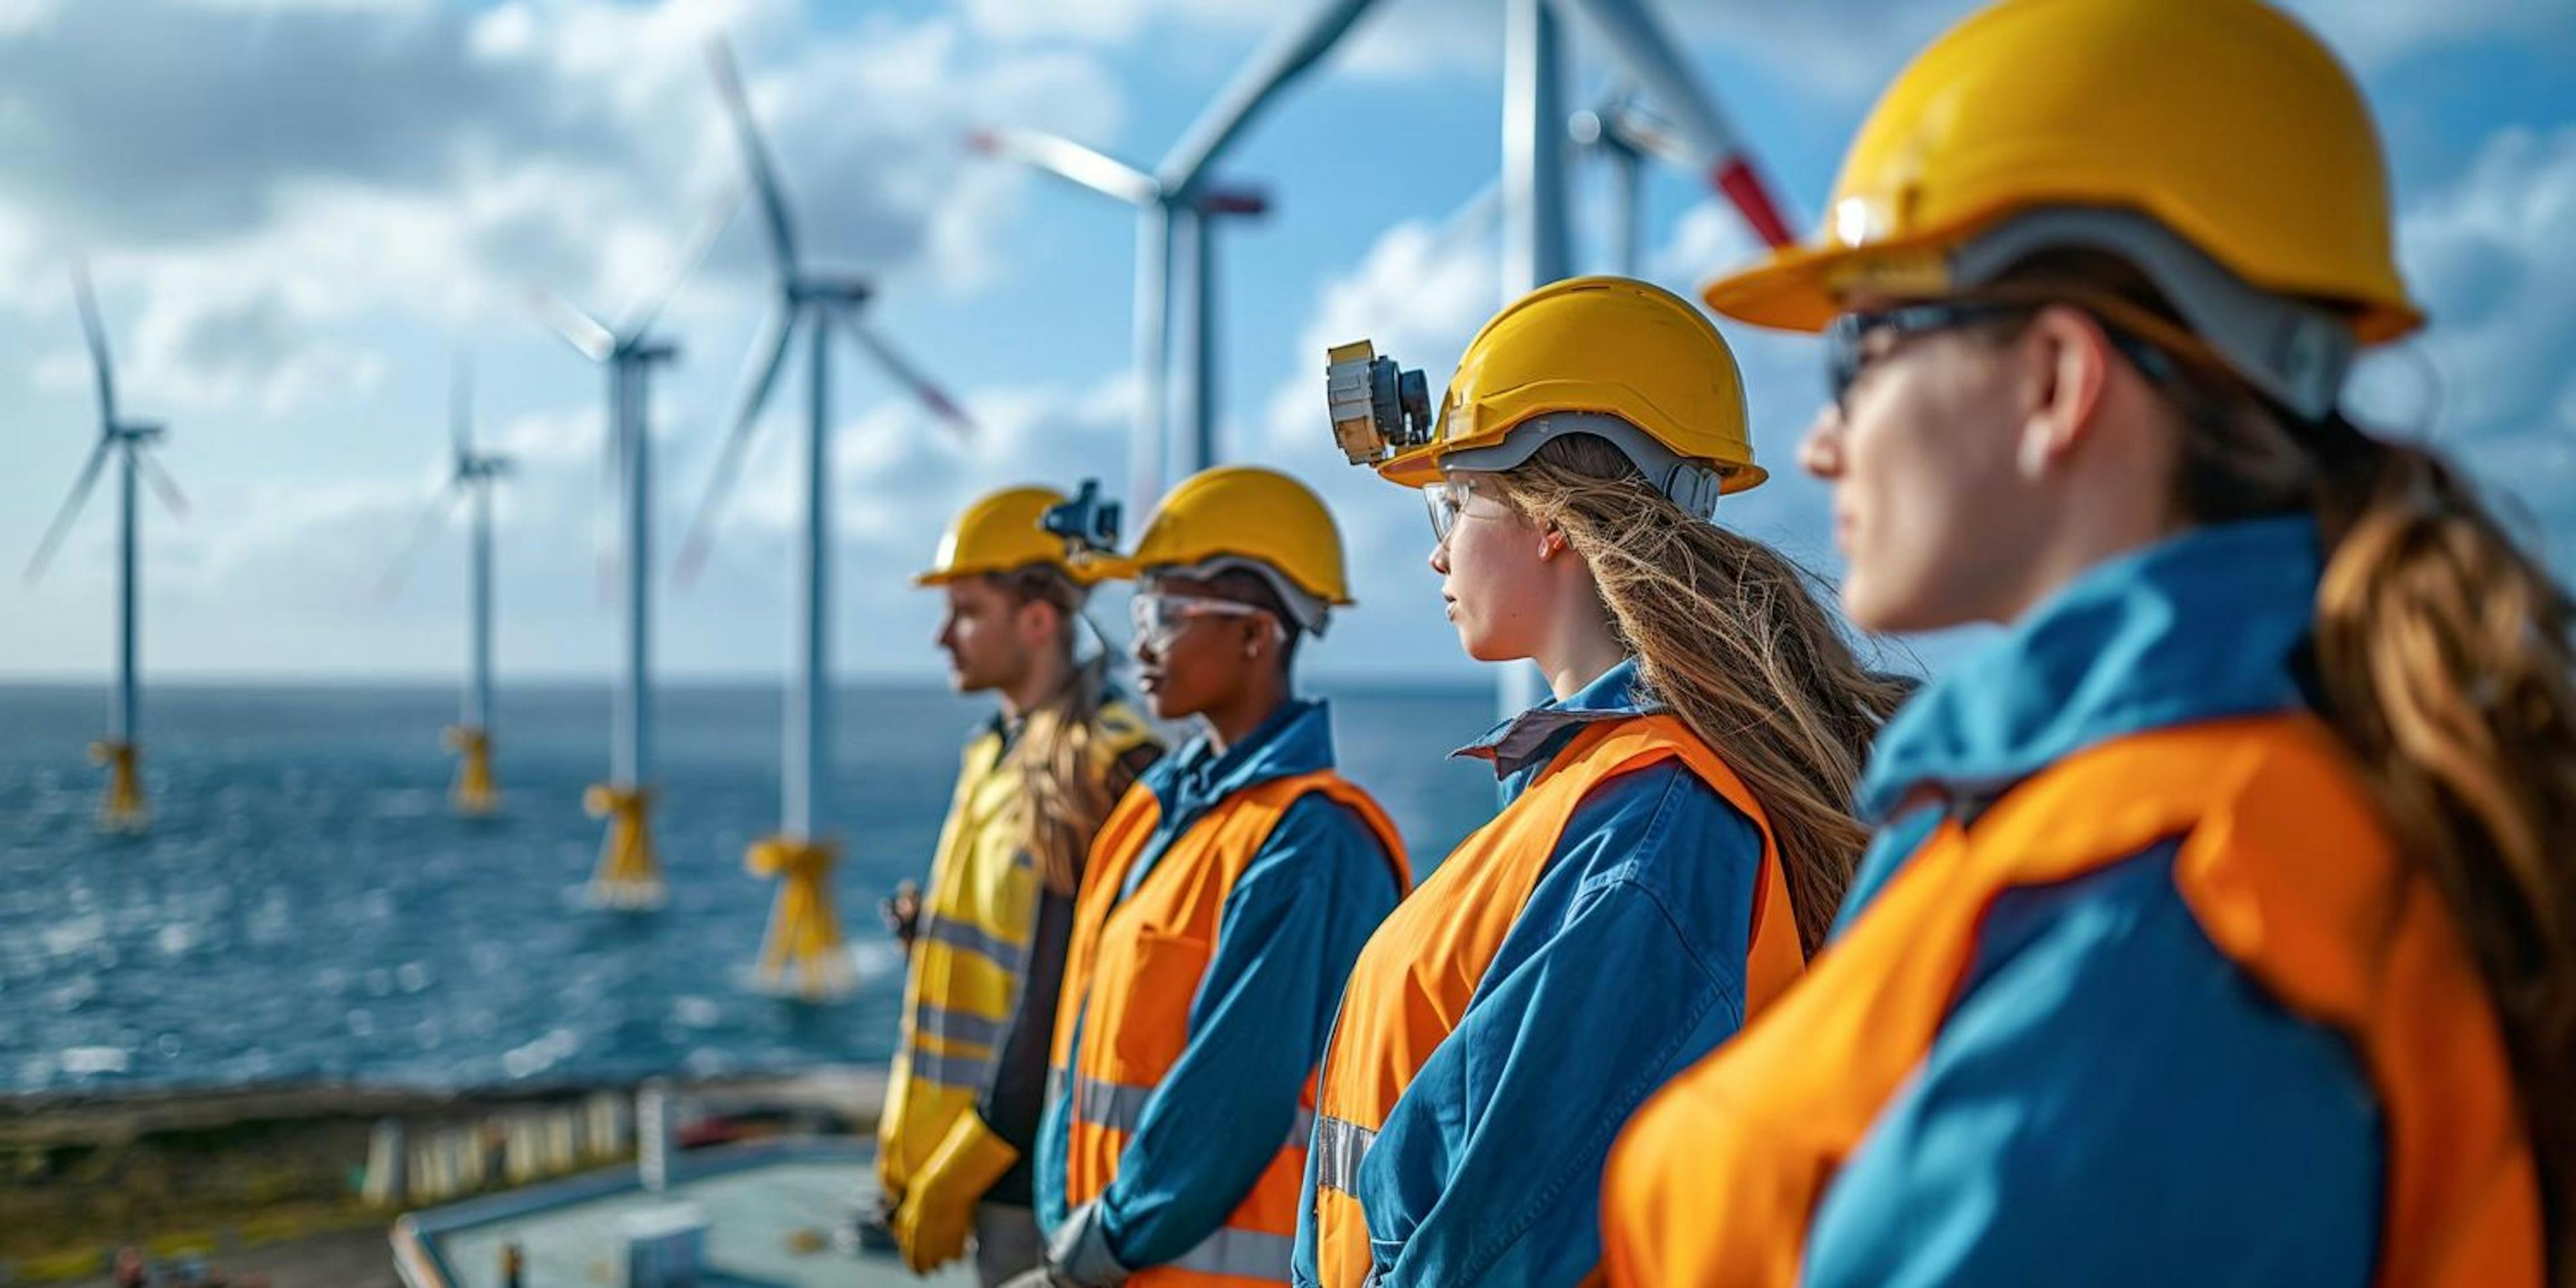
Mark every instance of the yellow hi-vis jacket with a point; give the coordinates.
(972, 944)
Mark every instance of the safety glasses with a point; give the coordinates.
(1849, 351)
(1458, 496)
(1159, 618)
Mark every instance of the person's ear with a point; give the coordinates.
(2066, 361)
(1037, 621)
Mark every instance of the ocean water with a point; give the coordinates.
(306, 907)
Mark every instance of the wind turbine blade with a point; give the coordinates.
(1648, 56)
(755, 155)
(1646, 131)
(578, 329)
(701, 242)
(693, 547)
(96, 331)
(432, 518)
(1276, 64)
(162, 483)
(1069, 160)
(71, 508)
(909, 375)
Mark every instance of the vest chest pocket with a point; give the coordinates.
(1143, 1015)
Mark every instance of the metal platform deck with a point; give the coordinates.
(767, 1207)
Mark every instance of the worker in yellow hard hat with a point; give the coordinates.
(1225, 900)
(987, 936)
(1675, 834)
(2221, 926)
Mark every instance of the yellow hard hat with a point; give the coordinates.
(1001, 532)
(1243, 513)
(1612, 356)
(2224, 122)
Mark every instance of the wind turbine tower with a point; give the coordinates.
(803, 949)
(471, 476)
(629, 876)
(129, 442)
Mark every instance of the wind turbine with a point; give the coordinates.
(1177, 205)
(1688, 126)
(128, 441)
(1170, 223)
(1535, 246)
(629, 877)
(804, 934)
(471, 475)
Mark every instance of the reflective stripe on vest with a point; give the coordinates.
(1415, 979)
(2283, 863)
(966, 1073)
(1339, 1147)
(963, 976)
(1120, 1106)
(1130, 977)
(954, 1028)
(1004, 954)
(1236, 1254)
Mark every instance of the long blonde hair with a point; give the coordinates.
(1733, 637)
(2445, 665)
(1065, 778)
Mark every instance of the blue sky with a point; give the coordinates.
(295, 207)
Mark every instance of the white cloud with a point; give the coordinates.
(408, 160)
(1709, 237)
(2487, 256)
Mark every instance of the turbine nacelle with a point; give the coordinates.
(1231, 201)
(838, 292)
(473, 469)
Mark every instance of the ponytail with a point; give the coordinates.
(1064, 778)
(1733, 637)
(2443, 651)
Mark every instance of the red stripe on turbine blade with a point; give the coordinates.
(1736, 178)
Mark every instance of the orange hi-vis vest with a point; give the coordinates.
(1130, 975)
(1414, 980)
(2283, 865)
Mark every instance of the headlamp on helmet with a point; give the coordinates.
(1088, 523)
(1378, 408)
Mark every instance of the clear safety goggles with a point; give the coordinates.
(1160, 618)
(1457, 497)
(1851, 343)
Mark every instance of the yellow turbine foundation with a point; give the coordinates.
(629, 877)
(803, 952)
(475, 795)
(123, 809)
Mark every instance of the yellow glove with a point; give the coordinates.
(939, 1204)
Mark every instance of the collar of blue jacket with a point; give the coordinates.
(1295, 739)
(1532, 738)
(2205, 625)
